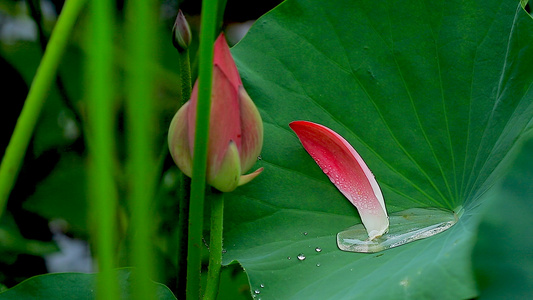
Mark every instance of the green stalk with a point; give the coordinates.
(42, 81)
(182, 236)
(215, 246)
(37, 15)
(185, 74)
(196, 208)
(100, 142)
(185, 182)
(141, 31)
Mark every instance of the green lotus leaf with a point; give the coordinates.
(434, 95)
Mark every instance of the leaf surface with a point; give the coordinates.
(502, 256)
(432, 94)
(74, 286)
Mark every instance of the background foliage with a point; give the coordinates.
(435, 96)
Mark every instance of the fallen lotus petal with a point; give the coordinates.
(347, 170)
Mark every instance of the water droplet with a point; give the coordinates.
(318, 264)
(305, 233)
(259, 157)
(288, 257)
(262, 285)
(405, 282)
(257, 292)
(169, 179)
(224, 251)
(301, 257)
(318, 249)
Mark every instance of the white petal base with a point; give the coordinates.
(405, 227)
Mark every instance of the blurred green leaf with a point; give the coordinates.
(57, 126)
(73, 286)
(502, 256)
(12, 243)
(432, 94)
(62, 195)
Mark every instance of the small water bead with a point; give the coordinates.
(257, 292)
(259, 157)
(261, 285)
(305, 233)
(288, 257)
(318, 264)
(318, 249)
(170, 179)
(301, 257)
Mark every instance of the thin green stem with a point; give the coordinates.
(100, 142)
(185, 182)
(44, 77)
(196, 211)
(215, 246)
(36, 13)
(141, 159)
(220, 13)
(185, 74)
(184, 195)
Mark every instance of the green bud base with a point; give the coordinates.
(404, 227)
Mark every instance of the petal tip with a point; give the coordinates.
(244, 179)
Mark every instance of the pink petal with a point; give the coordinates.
(225, 125)
(252, 131)
(178, 141)
(347, 170)
(223, 59)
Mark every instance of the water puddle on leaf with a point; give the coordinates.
(405, 227)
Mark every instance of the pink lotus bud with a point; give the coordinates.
(347, 170)
(181, 33)
(235, 130)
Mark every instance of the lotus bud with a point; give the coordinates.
(235, 130)
(181, 33)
